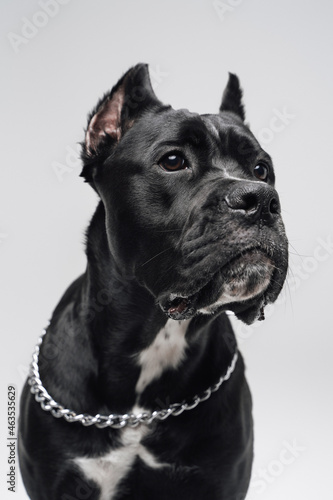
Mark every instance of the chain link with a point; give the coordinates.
(115, 421)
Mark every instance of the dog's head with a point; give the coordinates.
(191, 209)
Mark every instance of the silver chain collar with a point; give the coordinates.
(115, 421)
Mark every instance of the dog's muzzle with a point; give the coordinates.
(242, 282)
(233, 254)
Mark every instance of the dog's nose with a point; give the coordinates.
(255, 200)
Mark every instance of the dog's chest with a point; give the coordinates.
(166, 352)
(108, 470)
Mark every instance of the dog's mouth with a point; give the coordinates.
(179, 307)
(241, 286)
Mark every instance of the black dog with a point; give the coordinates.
(138, 352)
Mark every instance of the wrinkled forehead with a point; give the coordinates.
(223, 133)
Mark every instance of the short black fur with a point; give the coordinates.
(164, 249)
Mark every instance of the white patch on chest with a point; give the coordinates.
(108, 470)
(166, 351)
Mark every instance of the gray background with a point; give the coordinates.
(54, 74)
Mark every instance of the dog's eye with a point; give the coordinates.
(261, 171)
(173, 162)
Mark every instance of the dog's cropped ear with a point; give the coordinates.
(232, 97)
(116, 112)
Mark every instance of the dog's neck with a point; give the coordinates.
(119, 302)
(119, 319)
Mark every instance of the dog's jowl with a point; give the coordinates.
(137, 389)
